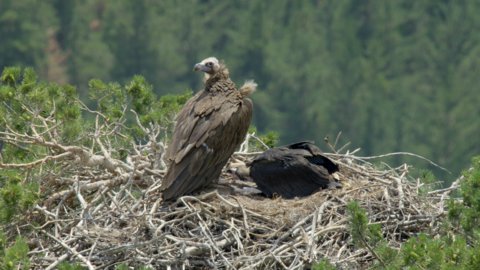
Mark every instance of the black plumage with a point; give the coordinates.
(295, 170)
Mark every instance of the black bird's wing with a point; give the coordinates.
(292, 171)
(315, 155)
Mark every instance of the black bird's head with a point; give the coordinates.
(240, 169)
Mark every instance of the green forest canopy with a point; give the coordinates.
(390, 75)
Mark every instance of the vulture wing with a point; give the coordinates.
(292, 171)
(316, 155)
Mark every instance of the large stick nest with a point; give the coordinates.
(101, 217)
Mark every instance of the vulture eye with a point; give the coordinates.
(209, 64)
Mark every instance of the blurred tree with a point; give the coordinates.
(392, 76)
(91, 56)
(24, 27)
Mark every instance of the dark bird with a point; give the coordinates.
(209, 128)
(295, 170)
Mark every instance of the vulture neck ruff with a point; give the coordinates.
(212, 79)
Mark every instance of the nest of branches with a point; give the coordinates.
(98, 202)
(101, 212)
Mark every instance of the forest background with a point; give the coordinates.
(390, 75)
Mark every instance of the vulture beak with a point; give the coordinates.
(240, 169)
(201, 67)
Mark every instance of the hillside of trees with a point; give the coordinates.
(390, 75)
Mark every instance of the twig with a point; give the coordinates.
(59, 260)
(73, 251)
(406, 154)
(34, 163)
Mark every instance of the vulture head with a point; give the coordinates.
(210, 65)
(240, 169)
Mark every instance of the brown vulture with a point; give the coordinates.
(209, 128)
(295, 170)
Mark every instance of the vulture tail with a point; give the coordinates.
(247, 88)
